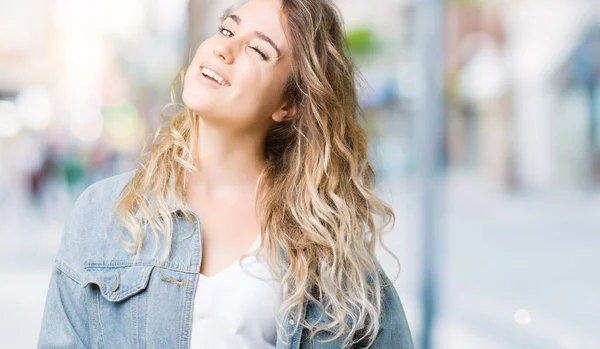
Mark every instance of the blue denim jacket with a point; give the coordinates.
(99, 298)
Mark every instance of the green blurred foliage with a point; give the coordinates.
(361, 42)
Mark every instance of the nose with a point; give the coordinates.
(224, 51)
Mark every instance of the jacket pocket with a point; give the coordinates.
(117, 283)
(117, 302)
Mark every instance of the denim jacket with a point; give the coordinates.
(99, 298)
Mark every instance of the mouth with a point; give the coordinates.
(210, 74)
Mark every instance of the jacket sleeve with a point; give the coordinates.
(394, 332)
(65, 318)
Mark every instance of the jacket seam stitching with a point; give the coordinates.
(99, 313)
(68, 270)
(113, 264)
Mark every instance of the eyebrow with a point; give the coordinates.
(261, 35)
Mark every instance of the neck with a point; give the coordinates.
(228, 161)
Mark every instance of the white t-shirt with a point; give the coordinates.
(235, 310)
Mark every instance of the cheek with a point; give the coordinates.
(262, 83)
(201, 51)
(190, 90)
(204, 51)
(258, 94)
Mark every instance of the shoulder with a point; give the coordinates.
(103, 191)
(97, 201)
(90, 221)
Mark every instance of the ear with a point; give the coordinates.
(285, 112)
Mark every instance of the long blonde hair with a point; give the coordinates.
(315, 199)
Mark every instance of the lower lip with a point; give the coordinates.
(205, 80)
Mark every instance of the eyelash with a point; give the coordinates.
(262, 54)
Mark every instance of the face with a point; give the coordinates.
(237, 75)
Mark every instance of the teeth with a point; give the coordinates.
(213, 76)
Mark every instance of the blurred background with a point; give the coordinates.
(484, 121)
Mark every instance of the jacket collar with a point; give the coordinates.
(172, 200)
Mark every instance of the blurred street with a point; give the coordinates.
(482, 289)
(534, 253)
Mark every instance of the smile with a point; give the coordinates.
(212, 75)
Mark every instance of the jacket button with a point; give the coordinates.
(291, 322)
(115, 285)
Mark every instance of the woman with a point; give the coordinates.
(267, 156)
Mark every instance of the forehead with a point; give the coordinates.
(265, 16)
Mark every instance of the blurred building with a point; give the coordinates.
(84, 81)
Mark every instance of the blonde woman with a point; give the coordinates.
(252, 221)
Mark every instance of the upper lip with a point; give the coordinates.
(218, 71)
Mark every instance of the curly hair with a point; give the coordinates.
(315, 201)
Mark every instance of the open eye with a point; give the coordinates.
(225, 31)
